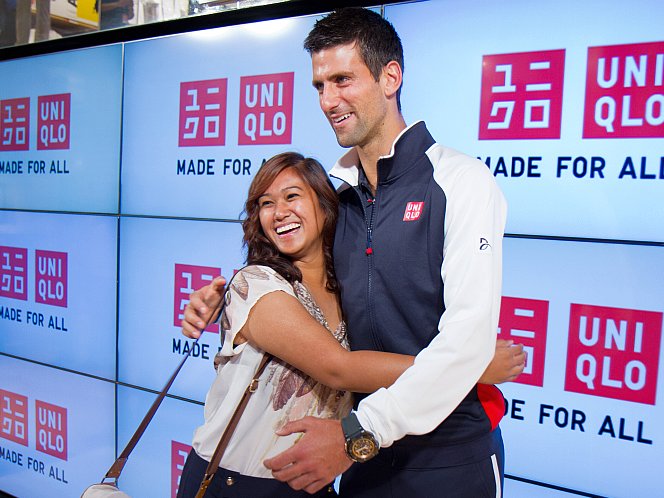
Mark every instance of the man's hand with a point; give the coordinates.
(204, 305)
(508, 362)
(316, 459)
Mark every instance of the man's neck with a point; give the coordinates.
(380, 146)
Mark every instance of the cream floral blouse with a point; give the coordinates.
(285, 393)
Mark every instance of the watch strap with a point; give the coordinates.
(351, 426)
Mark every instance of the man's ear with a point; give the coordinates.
(392, 77)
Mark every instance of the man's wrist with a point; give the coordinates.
(360, 444)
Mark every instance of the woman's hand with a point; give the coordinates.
(508, 362)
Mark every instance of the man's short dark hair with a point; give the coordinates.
(376, 38)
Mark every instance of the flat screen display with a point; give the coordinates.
(60, 118)
(123, 173)
(202, 111)
(589, 403)
(58, 278)
(57, 430)
(171, 258)
(157, 462)
(563, 101)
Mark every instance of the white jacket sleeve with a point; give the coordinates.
(445, 371)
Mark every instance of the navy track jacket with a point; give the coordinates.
(419, 265)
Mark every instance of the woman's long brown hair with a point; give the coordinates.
(259, 248)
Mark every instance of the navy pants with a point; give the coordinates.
(229, 484)
(394, 475)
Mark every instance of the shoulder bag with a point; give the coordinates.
(108, 487)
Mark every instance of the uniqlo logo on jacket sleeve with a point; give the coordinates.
(522, 95)
(51, 278)
(266, 109)
(14, 272)
(15, 124)
(189, 278)
(179, 453)
(53, 118)
(525, 322)
(625, 91)
(613, 352)
(51, 429)
(203, 113)
(14, 417)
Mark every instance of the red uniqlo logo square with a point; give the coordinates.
(14, 272)
(53, 121)
(525, 321)
(51, 275)
(14, 417)
(624, 96)
(15, 124)
(179, 453)
(522, 95)
(51, 427)
(413, 211)
(613, 352)
(188, 278)
(266, 109)
(203, 113)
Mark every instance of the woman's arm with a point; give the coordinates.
(280, 325)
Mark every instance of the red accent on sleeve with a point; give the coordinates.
(493, 403)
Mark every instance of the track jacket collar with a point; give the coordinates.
(347, 167)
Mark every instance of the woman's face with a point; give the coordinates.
(291, 216)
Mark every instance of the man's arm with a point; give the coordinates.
(203, 308)
(316, 459)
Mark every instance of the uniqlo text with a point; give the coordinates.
(525, 322)
(15, 124)
(266, 109)
(53, 121)
(189, 278)
(14, 417)
(522, 95)
(51, 278)
(625, 91)
(203, 113)
(613, 352)
(14, 272)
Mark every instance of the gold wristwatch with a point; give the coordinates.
(361, 445)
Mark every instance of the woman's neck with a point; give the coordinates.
(313, 272)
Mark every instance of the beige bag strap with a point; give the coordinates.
(230, 428)
(116, 469)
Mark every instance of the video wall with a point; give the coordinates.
(123, 171)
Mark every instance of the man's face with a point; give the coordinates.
(352, 100)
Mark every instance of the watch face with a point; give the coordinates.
(363, 448)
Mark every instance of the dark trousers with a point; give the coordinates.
(387, 476)
(229, 484)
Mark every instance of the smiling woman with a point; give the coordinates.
(285, 302)
(291, 215)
